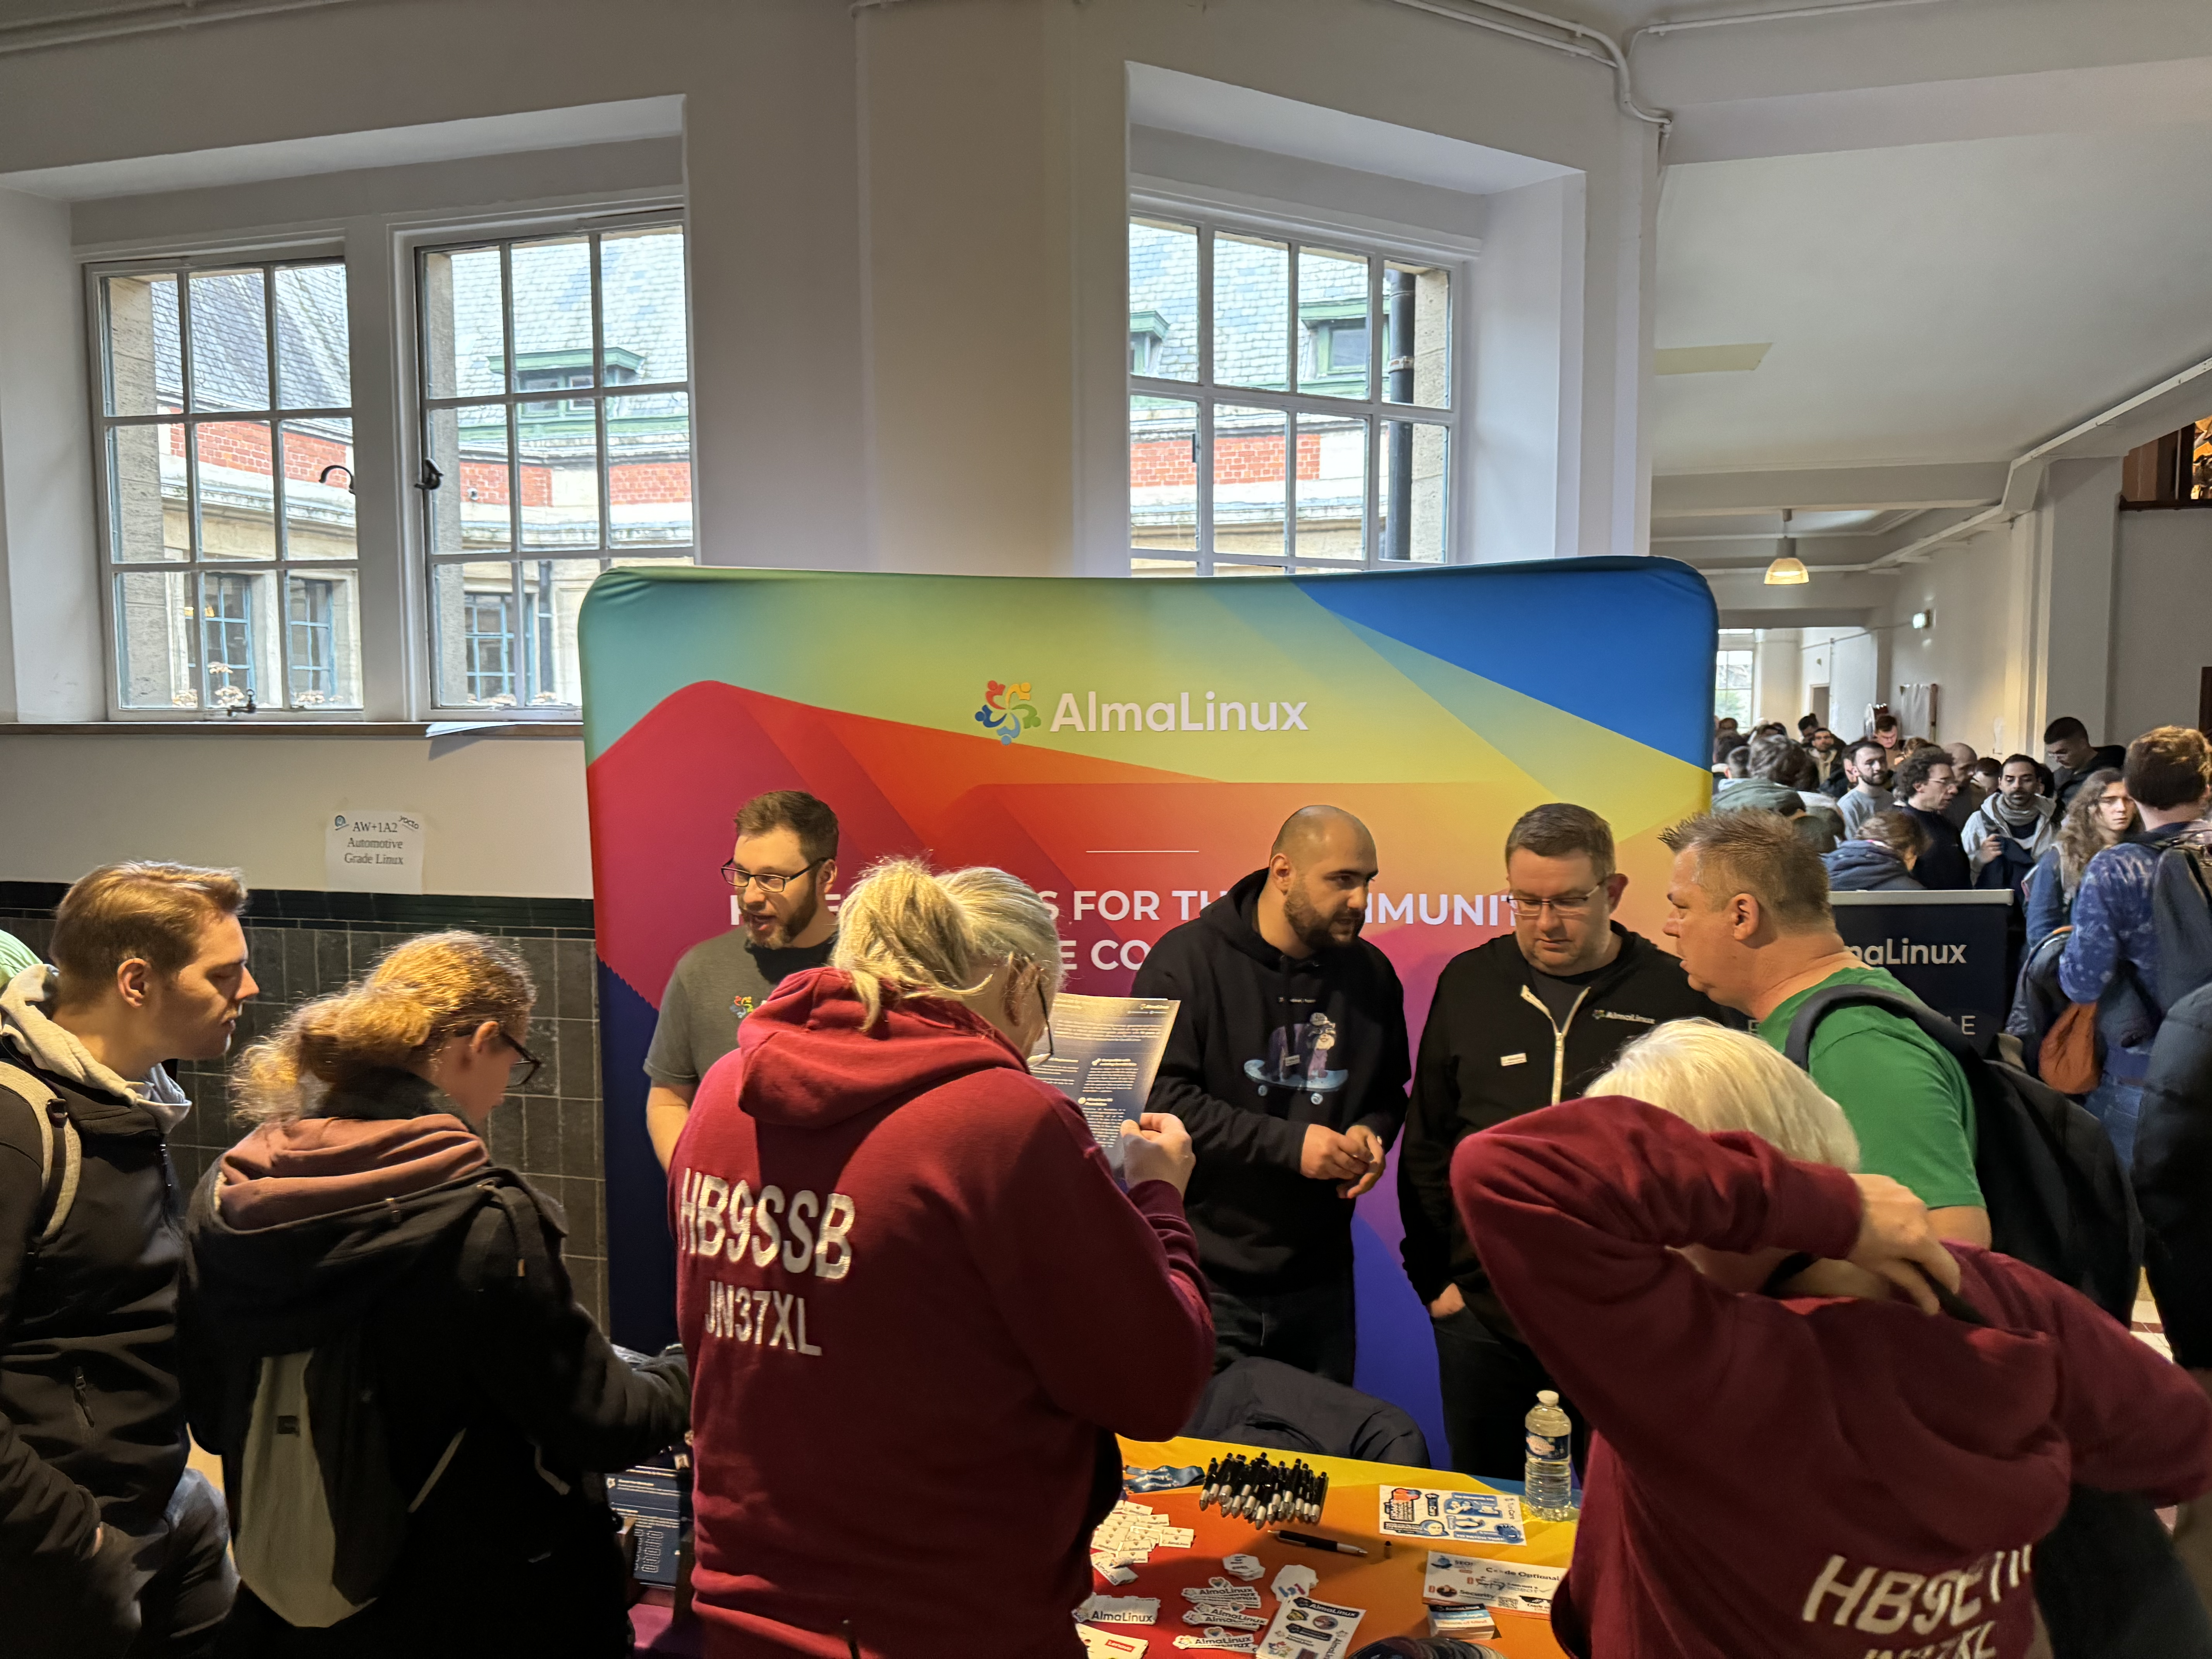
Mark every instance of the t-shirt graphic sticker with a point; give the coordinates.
(1298, 1058)
(741, 1006)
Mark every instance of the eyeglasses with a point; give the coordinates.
(532, 1064)
(1565, 904)
(771, 881)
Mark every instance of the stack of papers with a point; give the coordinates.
(1129, 1534)
(1460, 1581)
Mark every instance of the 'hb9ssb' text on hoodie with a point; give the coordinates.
(1823, 1477)
(1264, 1046)
(916, 1305)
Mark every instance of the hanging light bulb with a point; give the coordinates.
(1787, 570)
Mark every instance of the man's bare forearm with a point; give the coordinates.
(667, 1107)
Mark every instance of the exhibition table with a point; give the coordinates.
(1386, 1582)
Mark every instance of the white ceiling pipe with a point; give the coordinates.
(1833, 9)
(125, 20)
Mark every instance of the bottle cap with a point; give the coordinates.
(1546, 1397)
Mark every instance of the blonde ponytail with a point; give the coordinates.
(920, 934)
(419, 993)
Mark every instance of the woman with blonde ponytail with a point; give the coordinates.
(905, 1270)
(383, 1346)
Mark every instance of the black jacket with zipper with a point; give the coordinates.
(1491, 1051)
(92, 1423)
(492, 1384)
(1231, 1073)
(2174, 1176)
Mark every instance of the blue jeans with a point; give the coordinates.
(2117, 1106)
(1312, 1327)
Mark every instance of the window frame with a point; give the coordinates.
(1214, 213)
(267, 256)
(415, 405)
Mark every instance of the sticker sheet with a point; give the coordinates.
(1463, 1518)
(1306, 1629)
(1110, 1644)
(1510, 1586)
(1128, 1535)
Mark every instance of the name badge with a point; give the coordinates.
(1513, 1060)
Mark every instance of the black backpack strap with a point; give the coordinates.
(1942, 1032)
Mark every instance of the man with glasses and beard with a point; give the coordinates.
(780, 871)
(1523, 1022)
(1288, 1064)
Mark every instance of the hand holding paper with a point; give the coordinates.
(1156, 1147)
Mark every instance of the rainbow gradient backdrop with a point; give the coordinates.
(1438, 705)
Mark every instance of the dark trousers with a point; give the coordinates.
(169, 1604)
(1490, 1381)
(1312, 1327)
(2111, 1586)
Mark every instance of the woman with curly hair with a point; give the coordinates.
(2101, 815)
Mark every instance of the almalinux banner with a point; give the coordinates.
(1128, 748)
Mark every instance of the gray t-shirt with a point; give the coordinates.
(716, 985)
(1861, 802)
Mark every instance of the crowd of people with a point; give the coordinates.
(1726, 1195)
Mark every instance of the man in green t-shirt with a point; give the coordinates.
(1749, 904)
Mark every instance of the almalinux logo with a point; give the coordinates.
(1903, 953)
(1007, 710)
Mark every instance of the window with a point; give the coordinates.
(527, 497)
(1291, 405)
(1732, 686)
(227, 507)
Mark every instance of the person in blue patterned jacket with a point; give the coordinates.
(2112, 956)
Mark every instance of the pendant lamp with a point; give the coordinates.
(1787, 570)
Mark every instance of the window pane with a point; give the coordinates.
(1251, 311)
(1332, 322)
(558, 474)
(318, 497)
(1164, 473)
(156, 642)
(1416, 342)
(1250, 569)
(464, 340)
(552, 593)
(642, 304)
(1248, 483)
(552, 313)
(322, 641)
(312, 370)
(238, 490)
(1332, 453)
(468, 510)
(1414, 490)
(230, 341)
(474, 614)
(144, 374)
(1163, 567)
(239, 636)
(649, 471)
(146, 493)
(1163, 299)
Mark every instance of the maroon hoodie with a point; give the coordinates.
(914, 1302)
(1822, 1477)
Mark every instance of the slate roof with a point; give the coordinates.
(1251, 290)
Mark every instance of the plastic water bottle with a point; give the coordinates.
(1549, 1476)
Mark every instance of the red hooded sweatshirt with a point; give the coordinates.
(916, 1304)
(1821, 1477)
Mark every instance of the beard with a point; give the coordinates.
(1315, 931)
(781, 934)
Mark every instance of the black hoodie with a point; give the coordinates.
(446, 1290)
(1245, 1074)
(1491, 1051)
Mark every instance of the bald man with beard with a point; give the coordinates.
(1288, 1063)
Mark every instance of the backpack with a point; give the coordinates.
(2181, 914)
(2056, 1196)
(61, 1153)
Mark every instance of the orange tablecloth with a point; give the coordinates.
(1387, 1586)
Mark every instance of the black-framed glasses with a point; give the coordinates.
(532, 1064)
(771, 881)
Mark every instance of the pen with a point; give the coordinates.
(1308, 1541)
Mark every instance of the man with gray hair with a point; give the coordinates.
(1287, 1065)
(1522, 1021)
(1749, 904)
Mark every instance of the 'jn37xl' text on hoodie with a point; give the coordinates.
(1263, 1046)
(1822, 1477)
(918, 1308)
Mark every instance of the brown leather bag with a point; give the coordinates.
(2068, 1060)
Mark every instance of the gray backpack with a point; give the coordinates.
(61, 1153)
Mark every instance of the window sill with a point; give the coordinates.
(460, 728)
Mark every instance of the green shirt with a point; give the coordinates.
(1906, 1099)
(14, 956)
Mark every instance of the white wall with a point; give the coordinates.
(2161, 621)
(1975, 652)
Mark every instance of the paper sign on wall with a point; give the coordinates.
(373, 851)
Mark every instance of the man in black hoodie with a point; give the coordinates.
(1287, 1063)
(1520, 1023)
(107, 1541)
